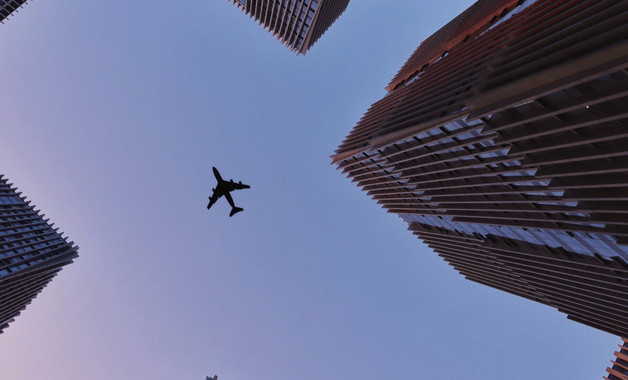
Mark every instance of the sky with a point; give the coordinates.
(111, 117)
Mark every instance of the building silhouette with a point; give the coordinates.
(31, 253)
(298, 24)
(503, 143)
(9, 6)
(619, 371)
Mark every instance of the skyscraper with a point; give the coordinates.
(8, 6)
(31, 253)
(619, 371)
(503, 143)
(298, 24)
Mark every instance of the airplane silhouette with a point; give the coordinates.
(224, 188)
(211, 378)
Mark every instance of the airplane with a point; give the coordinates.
(224, 188)
(211, 378)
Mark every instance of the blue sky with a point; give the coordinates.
(112, 115)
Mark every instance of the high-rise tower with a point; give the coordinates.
(31, 253)
(8, 6)
(503, 143)
(619, 371)
(298, 24)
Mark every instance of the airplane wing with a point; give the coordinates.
(240, 186)
(212, 200)
(236, 186)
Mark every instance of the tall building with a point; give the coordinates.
(8, 6)
(31, 253)
(503, 143)
(619, 371)
(298, 24)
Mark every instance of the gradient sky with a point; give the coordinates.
(112, 114)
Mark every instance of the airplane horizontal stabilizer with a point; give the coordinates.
(235, 210)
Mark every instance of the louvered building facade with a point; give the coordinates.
(298, 24)
(9, 6)
(619, 371)
(31, 253)
(503, 143)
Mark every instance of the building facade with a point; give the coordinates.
(9, 6)
(298, 24)
(31, 253)
(619, 371)
(503, 143)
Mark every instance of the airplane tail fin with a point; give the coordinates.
(235, 210)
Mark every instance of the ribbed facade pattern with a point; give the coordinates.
(298, 24)
(619, 371)
(8, 6)
(503, 142)
(469, 22)
(31, 253)
(589, 289)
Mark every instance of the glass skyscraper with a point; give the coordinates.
(8, 6)
(619, 371)
(31, 253)
(503, 143)
(298, 24)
